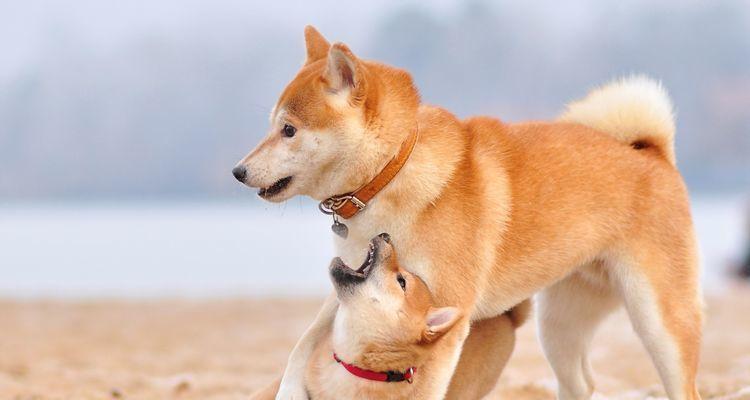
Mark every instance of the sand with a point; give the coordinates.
(225, 349)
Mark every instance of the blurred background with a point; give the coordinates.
(120, 123)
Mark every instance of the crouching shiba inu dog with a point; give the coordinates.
(590, 210)
(385, 334)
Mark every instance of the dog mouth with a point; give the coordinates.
(343, 275)
(276, 188)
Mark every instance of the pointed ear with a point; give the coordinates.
(344, 70)
(317, 45)
(439, 321)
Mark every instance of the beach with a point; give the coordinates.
(228, 348)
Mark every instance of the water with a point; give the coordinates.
(163, 250)
(214, 250)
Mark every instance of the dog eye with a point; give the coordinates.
(288, 130)
(401, 282)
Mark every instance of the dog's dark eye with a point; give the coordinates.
(401, 282)
(288, 130)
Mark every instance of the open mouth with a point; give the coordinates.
(366, 266)
(342, 274)
(276, 188)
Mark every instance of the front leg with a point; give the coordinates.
(292, 385)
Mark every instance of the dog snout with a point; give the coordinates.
(240, 173)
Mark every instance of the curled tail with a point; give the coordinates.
(635, 110)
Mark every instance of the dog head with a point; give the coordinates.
(332, 127)
(386, 319)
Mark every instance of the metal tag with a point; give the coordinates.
(339, 228)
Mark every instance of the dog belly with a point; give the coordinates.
(516, 277)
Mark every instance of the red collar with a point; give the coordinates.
(387, 376)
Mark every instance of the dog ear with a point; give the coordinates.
(344, 72)
(439, 321)
(317, 45)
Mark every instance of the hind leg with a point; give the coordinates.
(485, 353)
(483, 357)
(662, 299)
(567, 315)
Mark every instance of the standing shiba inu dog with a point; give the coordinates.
(384, 335)
(590, 209)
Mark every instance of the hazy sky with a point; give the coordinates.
(169, 93)
(25, 26)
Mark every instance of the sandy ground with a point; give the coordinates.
(226, 349)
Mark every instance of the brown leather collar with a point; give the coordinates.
(348, 205)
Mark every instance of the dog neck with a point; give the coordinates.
(374, 356)
(441, 151)
(348, 205)
(328, 379)
(392, 104)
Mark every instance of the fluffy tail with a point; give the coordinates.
(635, 110)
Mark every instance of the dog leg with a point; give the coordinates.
(665, 309)
(483, 357)
(292, 386)
(567, 315)
(268, 392)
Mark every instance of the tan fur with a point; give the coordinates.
(317, 45)
(489, 213)
(485, 353)
(381, 327)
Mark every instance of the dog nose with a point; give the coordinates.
(386, 237)
(240, 173)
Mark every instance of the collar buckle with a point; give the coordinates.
(393, 376)
(357, 202)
